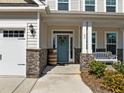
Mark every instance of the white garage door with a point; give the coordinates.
(12, 52)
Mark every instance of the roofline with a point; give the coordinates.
(80, 14)
(42, 7)
(19, 9)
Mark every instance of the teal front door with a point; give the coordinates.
(63, 48)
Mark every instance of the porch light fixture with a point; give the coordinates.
(31, 28)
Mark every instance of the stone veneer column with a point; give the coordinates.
(84, 61)
(36, 62)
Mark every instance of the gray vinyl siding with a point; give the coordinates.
(100, 5)
(21, 20)
(75, 5)
(79, 5)
(52, 4)
(120, 6)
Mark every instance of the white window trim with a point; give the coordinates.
(70, 35)
(116, 39)
(95, 6)
(14, 29)
(69, 6)
(116, 6)
(95, 39)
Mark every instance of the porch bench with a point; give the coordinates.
(105, 57)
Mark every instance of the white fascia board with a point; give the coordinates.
(5, 9)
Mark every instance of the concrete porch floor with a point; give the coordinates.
(55, 79)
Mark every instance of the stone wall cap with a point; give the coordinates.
(35, 49)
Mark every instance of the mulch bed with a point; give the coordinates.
(93, 82)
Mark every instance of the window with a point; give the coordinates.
(111, 42)
(13, 33)
(110, 5)
(63, 4)
(89, 5)
(94, 42)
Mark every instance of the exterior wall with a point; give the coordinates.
(75, 5)
(100, 5)
(75, 29)
(101, 40)
(100, 31)
(120, 6)
(52, 4)
(79, 5)
(36, 62)
(21, 20)
(43, 34)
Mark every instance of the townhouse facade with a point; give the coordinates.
(29, 28)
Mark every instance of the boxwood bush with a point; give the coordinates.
(97, 68)
(113, 81)
(119, 67)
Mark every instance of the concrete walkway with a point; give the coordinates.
(59, 79)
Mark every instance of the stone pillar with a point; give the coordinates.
(84, 61)
(36, 62)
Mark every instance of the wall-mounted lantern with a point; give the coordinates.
(32, 30)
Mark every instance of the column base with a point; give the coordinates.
(36, 62)
(84, 60)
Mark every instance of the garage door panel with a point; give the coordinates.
(13, 61)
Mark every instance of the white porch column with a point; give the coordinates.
(83, 37)
(87, 37)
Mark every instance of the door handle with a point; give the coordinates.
(21, 64)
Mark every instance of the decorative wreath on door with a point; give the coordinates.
(62, 40)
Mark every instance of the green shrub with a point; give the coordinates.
(113, 81)
(97, 68)
(119, 67)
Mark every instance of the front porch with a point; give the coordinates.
(84, 36)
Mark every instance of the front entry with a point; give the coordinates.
(63, 43)
(63, 48)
